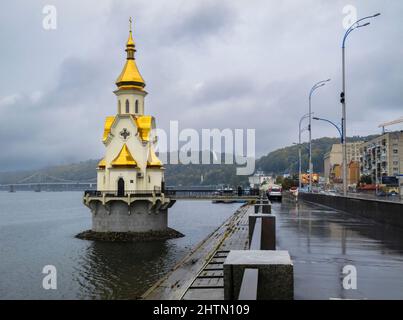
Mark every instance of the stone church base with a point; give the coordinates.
(140, 216)
(130, 236)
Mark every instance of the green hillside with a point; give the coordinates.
(177, 175)
(285, 160)
(280, 161)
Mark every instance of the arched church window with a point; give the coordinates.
(137, 107)
(127, 106)
(121, 187)
(119, 107)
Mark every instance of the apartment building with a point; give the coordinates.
(382, 156)
(334, 158)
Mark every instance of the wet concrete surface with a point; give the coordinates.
(322, 241)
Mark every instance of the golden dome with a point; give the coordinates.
(130, 77)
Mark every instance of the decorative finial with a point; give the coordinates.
(130, 24)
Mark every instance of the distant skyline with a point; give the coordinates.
(207, 64)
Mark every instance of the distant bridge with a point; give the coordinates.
(40, 181)
(43, 182)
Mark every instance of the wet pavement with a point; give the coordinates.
(322, 241)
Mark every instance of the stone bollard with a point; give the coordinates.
(262, 208)
(266, 208)
(268, 232)
(275, 274)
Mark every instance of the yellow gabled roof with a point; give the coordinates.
(107, 127)
(144, 125)
(124, 158)
(102, 163)
(153, 160)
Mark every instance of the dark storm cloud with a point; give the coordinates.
(223, 89)
(207, 64)
(204, 19)
(34, 130)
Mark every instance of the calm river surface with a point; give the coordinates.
(37, 229)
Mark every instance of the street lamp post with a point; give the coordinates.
(339, 129)
(354, 26)
(299, 150)
(316, 86)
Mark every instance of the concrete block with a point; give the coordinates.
(276, 274)
(268, 234)
(262, 208)
(266, 208)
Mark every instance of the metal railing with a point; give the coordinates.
(168, 193)
(209, 194)
(125, 193)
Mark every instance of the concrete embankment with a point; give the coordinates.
(378, 210)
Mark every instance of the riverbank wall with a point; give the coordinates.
(381, 211)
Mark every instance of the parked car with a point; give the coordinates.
(275, 192)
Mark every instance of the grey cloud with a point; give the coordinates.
(202, 19)
(231, 87)
(54, 127)
(223, 64)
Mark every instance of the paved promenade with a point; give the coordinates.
(321, 242)
(200, 274)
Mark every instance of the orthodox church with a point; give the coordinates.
(130, 178)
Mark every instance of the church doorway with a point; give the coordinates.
(121, 187)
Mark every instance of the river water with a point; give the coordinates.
(37, 229)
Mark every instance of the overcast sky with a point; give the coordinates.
(208, 64)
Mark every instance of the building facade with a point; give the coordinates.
(333, 161)
(382, 156)
(259, 178)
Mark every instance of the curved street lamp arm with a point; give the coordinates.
(317, 86)
(356, 25)
(332, 123)
(303, 118)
